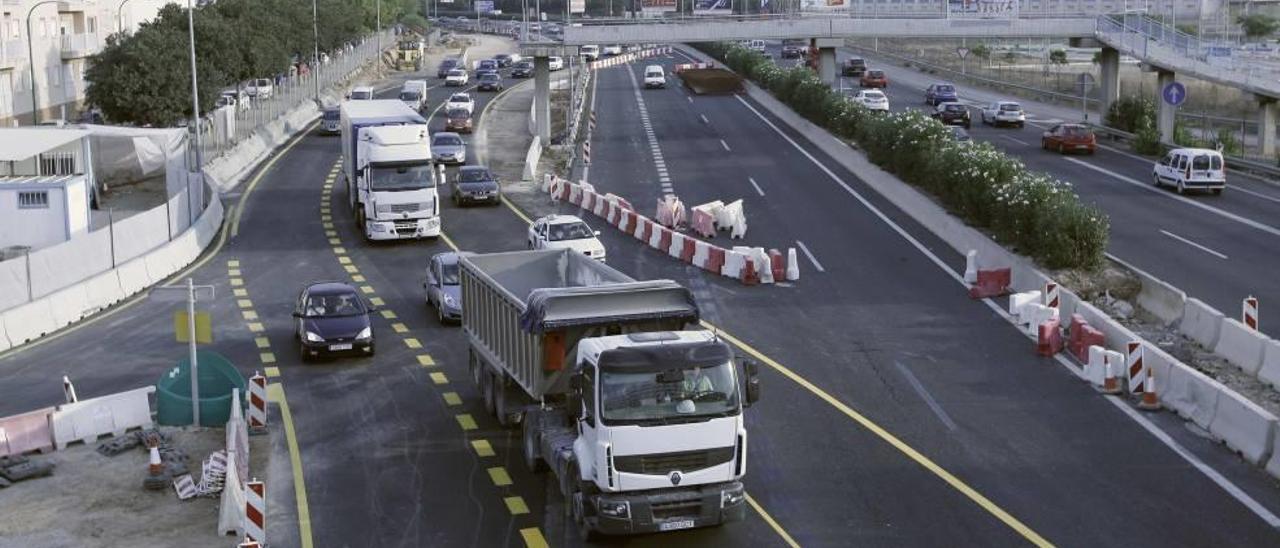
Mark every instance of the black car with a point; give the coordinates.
(503, 59)
(446, 66)
(487, 65)
(952, 114)
(476, 184)
(331, 319)
(523, 69)
(854, 67)
(490, 81)
(792, 51)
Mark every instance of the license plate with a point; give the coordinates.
(674, 525)
(1082, 147)
(340, 347)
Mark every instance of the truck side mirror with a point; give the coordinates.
(752, 371)
(574, 399)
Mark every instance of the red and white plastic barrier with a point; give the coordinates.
(255, 510)
(1249, 313)
(670, 212)
(1052, 295)
(257, 403)
(629, 57)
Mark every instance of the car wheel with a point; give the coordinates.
(1044, 144)
(1182, 188)
(1021, 125)
(303, 354)
(1217, 192)
(578, 502)
(1062, 149)
(531, 441)
(440, 314)
(1155, 180)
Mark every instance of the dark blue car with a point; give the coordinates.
(940, 93)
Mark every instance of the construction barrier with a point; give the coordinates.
(1244, 427)
(991, 283)
(1018, 302)
(1201, 322)
(1135, 368)
(255, 510)
(114, 414)
(732, 218)
(1269, 373)
(1249, 313)
(237, 438)
(1048, 338)
(1035, 314)
(231, 507)
(703, 220)
(1241, 346)
(793, 265)
(25, 432)
(1052, 295)
(257, 403)
(28, 322)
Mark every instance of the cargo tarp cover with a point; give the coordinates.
(549, 309)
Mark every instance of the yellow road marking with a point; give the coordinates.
(482, 447)
(262, 342)
(344, 260)
(769, 519)
(439, 378)
(533, 538)
(327, 224)
(331, 233)
(340, 250)
(389, 314)
(334, 241)
(236, 282)
(925, 462)
(232, 272)
(271, 372)
(256, 327)
(232, 263)
(466, 422)
(267, 357)
(249, 315)
(358, 278)
(351, 269)
(499, 476)
(367, 289)
(412, 343)
(425, 360)
(452, 399)
(518, 213)
(326, 217)
(377, 301)
(242, 303)
(447, 241)
(275, 393)
(240, 292)
(400, 328)
(516, 505)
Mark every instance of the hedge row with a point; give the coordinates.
(1029, 212)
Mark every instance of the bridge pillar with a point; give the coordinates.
(1109, 69)
(1164, 111)
(1267, 111)
(827, 69)
(542, 96)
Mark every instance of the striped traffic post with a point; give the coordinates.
(1250, 312)
(255, 510)
(1051, 295)
(257, 403)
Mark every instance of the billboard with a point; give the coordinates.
(577, 6)
(823, 5)
(982, 9)
(657, 6)
(484, 6)
(708, 7)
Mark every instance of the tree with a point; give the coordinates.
(1058, 57)
(1258, 25)
(981, 51)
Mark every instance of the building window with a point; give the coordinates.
(33, 200)
(92, 25)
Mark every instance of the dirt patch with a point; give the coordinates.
(94, 500)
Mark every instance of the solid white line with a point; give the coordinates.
(1019, 141)
(1193, 244)
(1152, 188)
(1253, 193)
(704, 119)
(924, 395)
(689, 97)
(725, 145)
(808, 254)
(758, 189)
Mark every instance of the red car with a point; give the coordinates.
(1066, 138)
(874, 79)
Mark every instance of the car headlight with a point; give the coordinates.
(312, 337)
(378, 227)
(614, 509)
(731, 497)
(448, 299)
(365, 334)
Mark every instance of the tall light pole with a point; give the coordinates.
(119, 16)
(379, 34)
(31, 63)
(315, 61)
(195, 90)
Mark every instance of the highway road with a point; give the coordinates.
(1218, 249)
(896, 411)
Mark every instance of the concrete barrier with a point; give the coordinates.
(69, 305)
(104, 290)
(4, 337)
(1244, 427)
(1269, 372)
(1018, 301)
(85, 420)
(1117, 335)
(1241, 346)
(26, 432)
(531, 159)
(133, 276)
(29, 322)
(1201, 323)
(1190, 393)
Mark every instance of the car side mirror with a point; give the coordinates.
(297, 314)
(1047, 133)
(574, 399)
(597, 233)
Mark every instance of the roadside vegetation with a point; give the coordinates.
(1029, 212)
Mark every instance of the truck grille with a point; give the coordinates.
(684, 461)
(680, 509)
(405, 208)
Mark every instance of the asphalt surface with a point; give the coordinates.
(900, 366)
(1219, 249)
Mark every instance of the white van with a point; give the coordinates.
(362, 92)
(756, 45)
(654, 77)
(590, 52)
(414, 94)
(1190, 168)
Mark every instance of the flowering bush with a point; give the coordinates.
(1030, 212)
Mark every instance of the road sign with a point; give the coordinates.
(963, 52)
(484, 6)
(204, 327)
(1174, 93)
(1084, 79)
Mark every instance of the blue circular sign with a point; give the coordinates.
(1174, 93)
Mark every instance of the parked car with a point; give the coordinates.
(476, 184)
(612, 50)
(565, 232)
(448, 148)
(444, 286)
(503, 59)
(874, 79)
(872, 99)
(523, 69)
(940, 93)
(330, 120)
(1191, 168)
(489, 81)
(458, 120)
(260, 88)
(1066, 138)
(446, 66)
(757, 46)
(854, 66)
(456, 77)
(792, 51)
(654, 77)
(1004, 112)
(331, 319)
(952, 114)
(555, 63)
(590, 52)
(361, 93)
(460, 101)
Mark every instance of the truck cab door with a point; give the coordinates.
(587, 430)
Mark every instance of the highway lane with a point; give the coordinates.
(1216, 248)
(881, 308)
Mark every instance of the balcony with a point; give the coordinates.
(79, 46)
(12, 52)
(72, 6)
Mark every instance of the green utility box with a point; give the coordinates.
(218, 377)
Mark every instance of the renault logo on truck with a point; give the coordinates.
(675, 478)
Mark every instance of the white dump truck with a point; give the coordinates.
(640, 419)
(388, 169)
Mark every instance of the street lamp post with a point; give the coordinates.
(315, 61)
(195, 90)
(31, 63)
(119, 16)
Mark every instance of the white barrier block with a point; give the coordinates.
(231, 507)
(1201, 323)
(677, 244)
(1244, 427)
(1018, 301)
(134, 276)
(1273, 466)
(104, 290)
(28, 322)
(1269, 373)
(764, 265)
(1190, 393)
(1036, 314)
(4, 337)
(734, 262)
(1241, 346)
(1095, 370)
(701, 253)
(68, 305)
(85, 420)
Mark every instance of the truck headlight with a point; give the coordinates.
(312, 337)
(377, 227)
(618, 509)
(448, 300)
(365, 334)
(731, 497)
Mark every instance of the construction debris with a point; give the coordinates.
(18, 468)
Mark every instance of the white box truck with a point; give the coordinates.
(640, 420)
(388, 169)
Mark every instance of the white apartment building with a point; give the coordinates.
(64, 33)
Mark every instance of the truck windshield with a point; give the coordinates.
(668, 396)
(400, 176)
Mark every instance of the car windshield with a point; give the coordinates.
(460, 99)
(524, 65)
(458, 114)
(448, 64)
(875, 74)
(674, 394)
(457, 72)
(955, 107)
(1075, 131)
(570, 231)
(361, 95)
(331, 115)
(1010, 107)
(488, 76)
(449, 274)
(332, 306)
(873, 95)
(400, 176)
(945, 89)
(446, 140)
(653, 74)
(474, 176)
(409, 96)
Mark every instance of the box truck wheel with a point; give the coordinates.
(581, 490)
(532, 440)
(486, 389)
(503, 403)
(473, 366)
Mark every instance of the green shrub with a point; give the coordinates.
(1127, 112)
(1146, 138)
